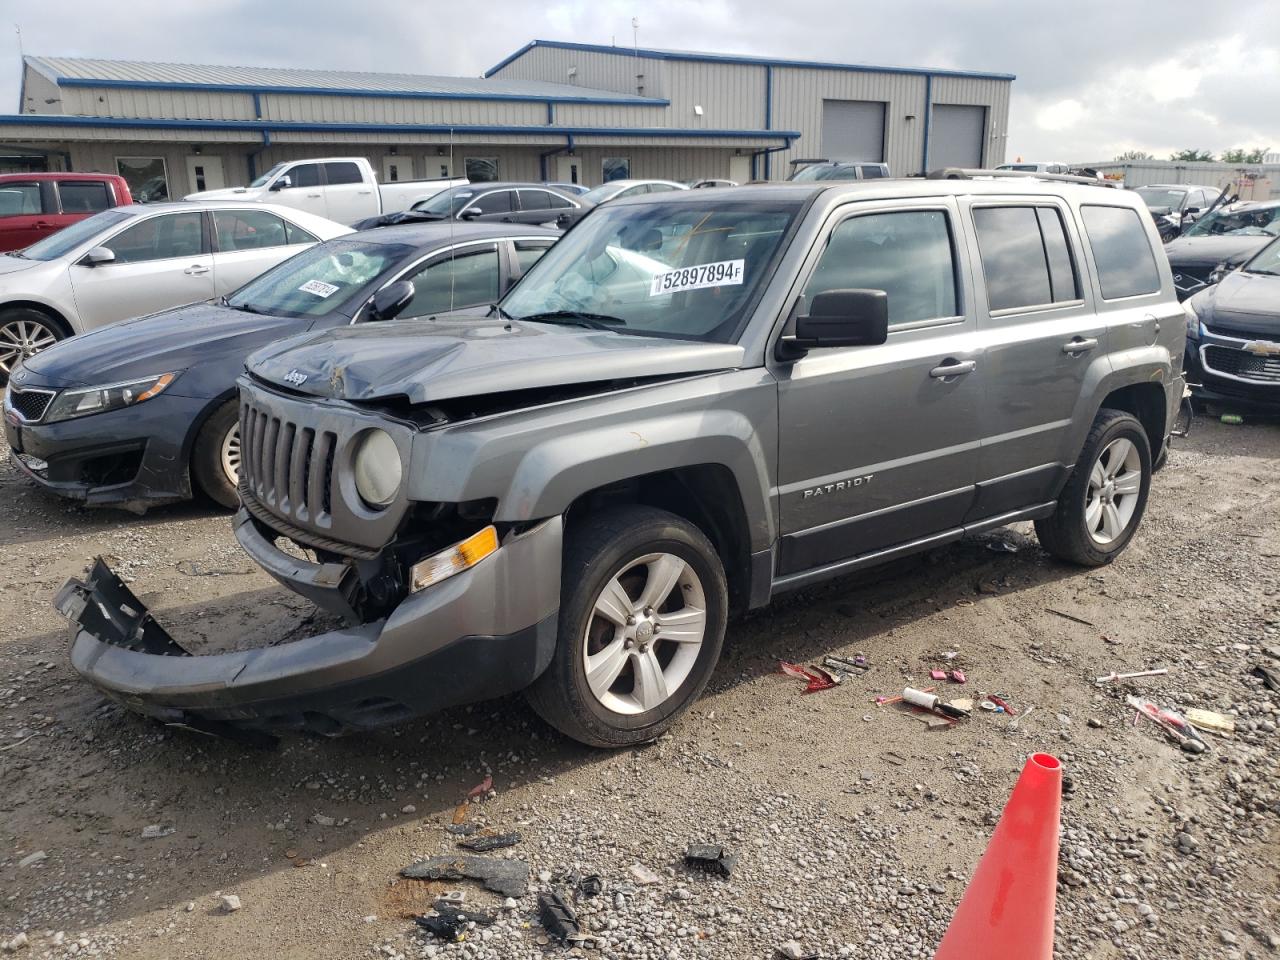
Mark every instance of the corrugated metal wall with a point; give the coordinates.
(621, 72)
(1139, 173)
(41, 95)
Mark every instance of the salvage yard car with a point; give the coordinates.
(1176, 206)
(1233, 336)
(695, 402)
(492, 202)
(344, 189)
(134, 260)
(1219, 242)
(36, 205)
(141, 412)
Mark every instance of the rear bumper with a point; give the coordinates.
(483, 633)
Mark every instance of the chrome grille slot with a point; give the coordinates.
(298, 473)
(1242, 365)
(31, 403)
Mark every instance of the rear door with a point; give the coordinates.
(348, 197)
(247, 243)
(78, 199)
(25, 215)
(161, 261)
(1043, 341)
(879, 444)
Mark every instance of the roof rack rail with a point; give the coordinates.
(959, 173)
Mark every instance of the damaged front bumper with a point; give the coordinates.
(485, 632)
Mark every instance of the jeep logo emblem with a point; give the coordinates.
(296, 378)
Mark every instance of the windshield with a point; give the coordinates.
(1249, 222)
(1267, 261)
(67, 239)
(684, 270)
(267, 177)
(447, 202)
(606, 191)
(320, 280)
(1155, 198)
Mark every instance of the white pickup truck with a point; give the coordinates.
(344, 189)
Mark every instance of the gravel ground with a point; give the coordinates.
(857, 826)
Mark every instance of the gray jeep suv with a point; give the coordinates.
(694, 402)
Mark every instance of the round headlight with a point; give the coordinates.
(378, 468)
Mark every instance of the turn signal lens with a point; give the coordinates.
(459, 557)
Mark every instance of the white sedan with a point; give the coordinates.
(130, 261)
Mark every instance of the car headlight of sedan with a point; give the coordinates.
(70, 404)
(378, 468)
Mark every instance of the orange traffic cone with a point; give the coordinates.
(1007, 911)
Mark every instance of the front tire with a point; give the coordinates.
(215, 456)
(1105, 496)
(643, 608)
(24, 332)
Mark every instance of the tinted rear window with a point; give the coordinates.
(1026, 259)
(338, 173)
(1126, 263)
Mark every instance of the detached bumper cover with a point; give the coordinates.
(486, 632)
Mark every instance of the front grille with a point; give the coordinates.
(287, 468)
(1236, 363)
(31, 403)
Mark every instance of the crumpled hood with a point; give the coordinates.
(201, 333)
(227, 193)
(427, 361)
(1245, 302)
(1211, 251)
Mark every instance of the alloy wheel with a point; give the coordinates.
(1114, 485)
(229, 455)
(20, 339)
(645, 633)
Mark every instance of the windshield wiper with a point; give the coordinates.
(594, 321)
(247, 308)
(17, 253)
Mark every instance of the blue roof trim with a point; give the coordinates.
(358, 92)
(729, 58)
(285, 126)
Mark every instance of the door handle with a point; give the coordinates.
(365, 193)
(42, 224)
(1079, 345)
(952, 368)
(313, 196)
(196, 269)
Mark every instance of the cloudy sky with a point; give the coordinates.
(1094, 78)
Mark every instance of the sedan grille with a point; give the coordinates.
(31, 404)
(288, 468)
(1237, 363)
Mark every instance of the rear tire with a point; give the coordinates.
(24, 332)
(215, 456)
(614, 683)
(1105, 497)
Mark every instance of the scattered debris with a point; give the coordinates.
(448, 923)
(895, 758)
(31, 859)
(229, 903)
(1232, 419)
(958, 676)
(483, 844)
(1268, 676)
(1212, 722)
(859, 662)
(1068, 616)
(481, 788)
(1013, 726)
(817, 678)
(710, 858)
(791, 950)
(1001, 703)
(451, 898)
(155, 832)
(508, 878)
(1129, 676)
(643, 875)
(1002, 546)
(962, 703)
(934, 704)
(589, 886)
(462, 829)
(937, 674)
(557, 917)
(885, 701)
(1171, 722)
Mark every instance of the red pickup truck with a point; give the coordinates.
(34, 205)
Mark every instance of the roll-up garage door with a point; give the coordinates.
(956, 135)
(853, 130)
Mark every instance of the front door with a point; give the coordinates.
(879, 444)
(348, 197)
(568, 170)
(161, 261)
(395, 169)
(204, 173)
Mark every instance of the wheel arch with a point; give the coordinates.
(50, 311)
(1147, 402)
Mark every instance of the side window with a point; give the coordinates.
(661, 187)
(83, 197)
(19, 199)
(534, 200)
(872, 171)
(248, 230)
(295, 234)
(1025, 257)
(557, 202)
(340, 173)
(906, 254)
(529, 252)
(499, 201)
(305, 175)
(1122, 251)
(466, 279)
(159, 238)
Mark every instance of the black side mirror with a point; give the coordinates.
(840, 318)
(1191, 210)
(470, 213)
(390, 300)
(280, 183)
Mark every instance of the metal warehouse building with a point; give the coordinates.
(550, 111)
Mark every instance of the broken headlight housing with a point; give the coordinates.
(378, 468)
(70, 404)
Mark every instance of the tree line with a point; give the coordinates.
(1238, 155)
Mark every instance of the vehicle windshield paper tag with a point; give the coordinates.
(722, 274)
(319, 288)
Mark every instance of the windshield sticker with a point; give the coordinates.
(319, 288)
(722, 274)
